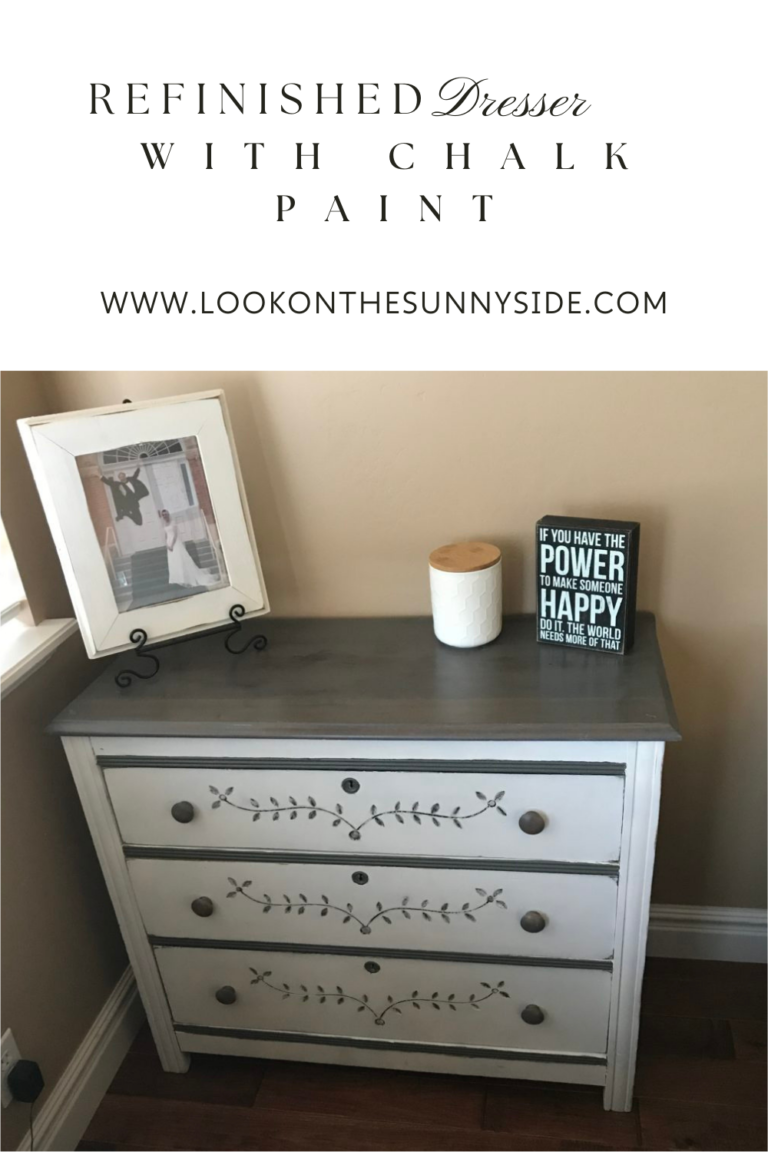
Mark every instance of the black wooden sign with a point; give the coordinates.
(587, 582)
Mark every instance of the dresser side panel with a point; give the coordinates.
(641, 817)
(109, 849)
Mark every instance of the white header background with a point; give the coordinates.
(681, 83)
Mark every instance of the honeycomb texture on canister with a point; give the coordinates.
(465, 583)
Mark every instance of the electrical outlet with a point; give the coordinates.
(9, 1055)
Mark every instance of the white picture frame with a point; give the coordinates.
(53, 445)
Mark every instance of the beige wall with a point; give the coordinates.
(61, 948)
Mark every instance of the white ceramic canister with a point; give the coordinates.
(465, 581)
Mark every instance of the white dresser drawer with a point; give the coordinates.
(448, 909)
(573, 814)
(479, 1005)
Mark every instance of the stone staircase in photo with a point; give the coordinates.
(142, 579)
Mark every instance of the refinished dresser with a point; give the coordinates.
(363, 847)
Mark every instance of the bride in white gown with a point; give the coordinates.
(181, 567)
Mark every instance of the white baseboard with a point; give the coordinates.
(67, 1112)
(691, 933)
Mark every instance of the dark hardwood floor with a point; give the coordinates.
(701, 1084)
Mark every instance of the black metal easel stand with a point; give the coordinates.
(126, 676)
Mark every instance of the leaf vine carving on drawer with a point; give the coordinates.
(407, 908)
(399, 813)
(337, 995)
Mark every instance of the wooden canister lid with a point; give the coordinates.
(472, 557)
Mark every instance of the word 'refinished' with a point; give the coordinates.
(459, 96)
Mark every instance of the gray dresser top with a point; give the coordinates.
(385, 679)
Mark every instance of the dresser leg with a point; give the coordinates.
(172, 1060)
(616, 1101)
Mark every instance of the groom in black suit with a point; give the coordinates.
(127, 491)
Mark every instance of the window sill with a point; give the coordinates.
(26, 647)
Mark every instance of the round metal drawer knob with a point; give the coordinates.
(350, 785)
(202, 906)
(372, 966)
(226, 995)
(532, 1014)
(183, 812)
(532, 823)
(360, 877)
(533, 922)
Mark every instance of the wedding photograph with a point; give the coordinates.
(152, 514)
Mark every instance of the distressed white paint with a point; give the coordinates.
(641, 816)
(582, 813)
(574, 1001)
(590, 818)
(109, 849)
(548, 751)
(579, 911)
(403, 1061)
